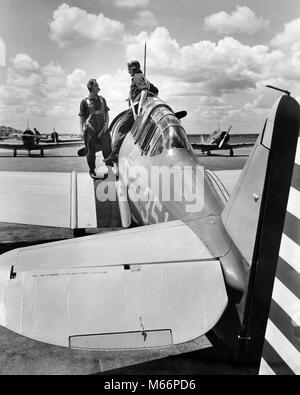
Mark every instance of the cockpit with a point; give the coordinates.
(172, 137)
(159, 130)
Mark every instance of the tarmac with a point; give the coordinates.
(22, 356)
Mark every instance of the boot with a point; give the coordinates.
(93, 174)
(111, 159)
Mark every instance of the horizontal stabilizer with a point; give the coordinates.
(126, 290)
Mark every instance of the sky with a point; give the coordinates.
(211, 58)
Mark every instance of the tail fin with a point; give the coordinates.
(281, 352)
(254, 218)
(275, 146)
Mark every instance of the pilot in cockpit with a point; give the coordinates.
(139, 89)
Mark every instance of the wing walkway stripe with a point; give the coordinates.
(286, 300)
(297, 159)
(292, 227)
(276, 363)
(288, 277)
(293, 206)
(286, 325)
(296, 177)
(265, 369)
(290, 252)
(283, 347)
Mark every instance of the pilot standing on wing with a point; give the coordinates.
(94, 120)
(137, 97)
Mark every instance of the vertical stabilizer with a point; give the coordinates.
(255, 216)
(277, 142)
(281, 352)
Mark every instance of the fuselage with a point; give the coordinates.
(166, 182)
(219, 138)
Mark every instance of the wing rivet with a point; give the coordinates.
(144, 334)
(256, 197)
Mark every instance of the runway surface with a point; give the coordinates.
(20, 356)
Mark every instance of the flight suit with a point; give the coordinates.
(94, 112)
(138, 83)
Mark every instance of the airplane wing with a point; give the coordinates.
(131, 289)
(238, 145)
(48, 199)
(11, 146)
(214, 147)
(204, 147)
(63, 144)
(43, 146)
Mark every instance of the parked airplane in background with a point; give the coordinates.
(183, 272)
(219, 140)
(33, 141)
(55, 137)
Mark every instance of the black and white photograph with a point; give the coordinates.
(150, 190)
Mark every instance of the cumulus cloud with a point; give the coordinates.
(289, 36)
(226, 69)
(72, 23)
(115, 89)
(202, 77)
(131, 3)
(145, 18)
(243, 19)
(44, 92)
(25, 63)
(2, 53)
(163, 51)
(211, 67)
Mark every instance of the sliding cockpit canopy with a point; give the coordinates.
(159, 129)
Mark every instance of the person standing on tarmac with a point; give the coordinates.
(94, 120)
(137, 96)
(37, 133)
(54, 136)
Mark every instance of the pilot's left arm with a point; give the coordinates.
(106, 118)
(143, 98)
(143, 87)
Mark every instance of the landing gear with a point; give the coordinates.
(15, 152)
(79, 232)
(42, 152)
(231, 152)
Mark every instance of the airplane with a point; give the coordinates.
(55, 137)
(182, 272)
(219, 140)
(32, 141)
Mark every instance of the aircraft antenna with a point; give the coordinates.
(145, 58)
(278, 89)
